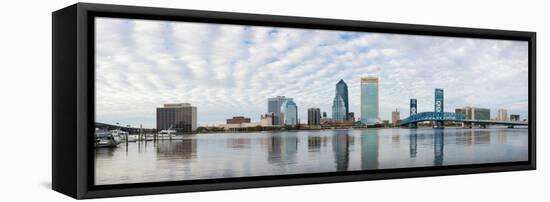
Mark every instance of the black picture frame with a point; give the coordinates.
(73, 100)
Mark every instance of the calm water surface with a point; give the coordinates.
(222, 155)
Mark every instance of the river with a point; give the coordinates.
(223, 155)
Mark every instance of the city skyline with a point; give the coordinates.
(231, 70)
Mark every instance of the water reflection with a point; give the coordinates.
(238, 143)
(282, 149)
(438, 147)
(182, 149)
(369, 149)
(474, 137)
(413, 143)
(314, 143)
(222, 155)
(104, 152)
(502, 137)
(395, 138)
(340, 148)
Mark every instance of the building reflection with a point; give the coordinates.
(282, 149)
(438, 146)
(238, 143)
(314, 143)
(395, 138)
(471, 137)
(183, 149)
(369, 149)
(340, 148)
(482, 137)
(502, 137)
(413, 137)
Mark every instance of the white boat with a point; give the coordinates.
(120, 133)
(132, 138)
(167, 133)
(106, 139)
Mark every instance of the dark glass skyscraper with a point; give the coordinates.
(342, 91)
(181, 117)
(313, 116)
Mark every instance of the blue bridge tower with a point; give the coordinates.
(438, 108)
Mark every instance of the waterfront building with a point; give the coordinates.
(385, 123)
(238, 120)
(267, 119)
(313, 116)
(514, 117)
(502, 115)
(395, 117)
(369, 100)
(351, 116)
(460, 111)
(476, 113)
(342, 91)
(180, 117)
(338, 109)
(240, 124)
(274, 106)
(326, 121)
(289, 113)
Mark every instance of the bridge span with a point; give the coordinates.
(453, 117)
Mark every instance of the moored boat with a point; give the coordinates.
(163, 134)
(106, 139)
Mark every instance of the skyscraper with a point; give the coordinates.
(369, 100)
(338, 109)
(514, 117)
(313, 116)
(181, 117)
(342, 91)
(476, 113)
(502, 115)
(395, 117)
(274, 106)
(289, 113)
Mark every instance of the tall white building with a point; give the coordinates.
(369, 100)
(502, 115)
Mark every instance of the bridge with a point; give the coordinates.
(439, 117)
(453, 117)
(106, 126)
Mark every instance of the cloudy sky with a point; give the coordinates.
(231, 70)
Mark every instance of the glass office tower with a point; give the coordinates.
(289, 113)
(342, 91)
(274, 106)
(369, 100)
(338, 109)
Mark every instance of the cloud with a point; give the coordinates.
(230, 70)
